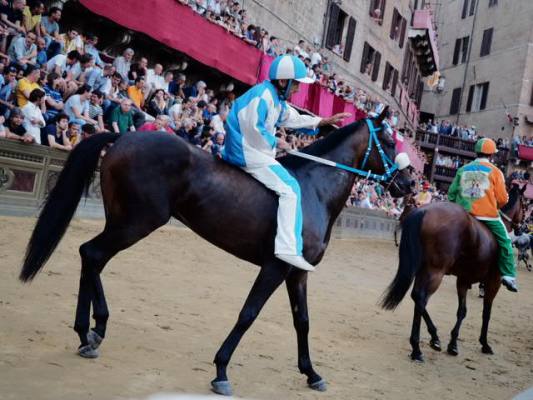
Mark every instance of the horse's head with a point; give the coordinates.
(399, 181)
(515, 209)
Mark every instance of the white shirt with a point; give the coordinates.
(31, 111)
(61, 61)
(217, 124)
(316, 58)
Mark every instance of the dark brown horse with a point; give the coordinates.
(409, 205)
(148, 177)
(431, 247)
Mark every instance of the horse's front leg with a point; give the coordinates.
(297, 288)
(271, 276)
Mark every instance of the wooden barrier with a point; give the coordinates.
(28, 172)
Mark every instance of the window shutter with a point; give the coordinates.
(382, 11)
(486, 42)
(472, 7)
(395, 83)
(375, 68)
(364, 60)
(465, 49)
(349, 39)
(465, 9)
(484, 96)
(332, 25)
(470, 97)
(456, 51)
(394, 24)
(386, 76)
(456, 97)
(402, 32)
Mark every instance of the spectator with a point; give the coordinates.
(8, 89)
(66, 66)
(13, 17)
(96, 112)
(33, 114)
(138, 69)
(42, 57)
(167, 80)
(73, 133)
(218, 120)
(77, 107)
(158, 104)
(23, 50)
(87, 131)
(53, 99)
(56, 134)
(91, 41)
(123, 63)
(101, 79)
(135, 92)
(32, 17)
(122, 118)
(72, 41)
(50, 26)
(161, 123)
(155, 79)
(26, 85)
(14, 128)
(177, 87)
(273, 47)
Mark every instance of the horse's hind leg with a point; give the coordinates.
(268, 280)
(491, 289)
(94, 256)
(425, 285)
(297, 288)
(462, 289)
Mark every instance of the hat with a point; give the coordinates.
(485, 146)
(289, 67)
(426, 185)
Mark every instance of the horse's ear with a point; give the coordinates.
(382, 116)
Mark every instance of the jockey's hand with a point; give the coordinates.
(334, 119)
(283, 145)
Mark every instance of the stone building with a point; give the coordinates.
(367, 41)
(486, 52)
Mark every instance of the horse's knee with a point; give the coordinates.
(92, 259)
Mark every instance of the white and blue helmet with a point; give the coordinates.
(289, 67)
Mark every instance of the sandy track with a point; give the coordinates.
(174, 297)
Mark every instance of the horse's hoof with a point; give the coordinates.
(222, 387)
(94, 339)
(486, 350)
(435, 345)
(452, 350)
(417, 357)
(319, 386)
(87, 351)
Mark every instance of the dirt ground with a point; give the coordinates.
(173, 299)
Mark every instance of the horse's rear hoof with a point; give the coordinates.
(222, 387)
(486, 350)
(319, 386)
(452, 350)
(94, 339)
(435, 345)
(87, 351)
(417, 357)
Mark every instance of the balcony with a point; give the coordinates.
(447, 144)
(423, 38)
(443, 173)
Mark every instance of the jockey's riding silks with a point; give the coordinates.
(479, 187)
(251, 145)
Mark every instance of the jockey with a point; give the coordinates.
(480, 188)
(251, 144)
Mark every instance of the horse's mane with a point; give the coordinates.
(326, 144)
(514, 195)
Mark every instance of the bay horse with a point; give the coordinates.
(148, 177)
(431, 247)
(409, 205)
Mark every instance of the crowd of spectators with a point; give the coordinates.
(235, 19)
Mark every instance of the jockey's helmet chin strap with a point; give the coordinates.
(287, 91)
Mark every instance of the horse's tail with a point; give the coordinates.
(410, 261)
(62, 202)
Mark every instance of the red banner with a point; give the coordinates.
(525, 152)
(180, 28)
